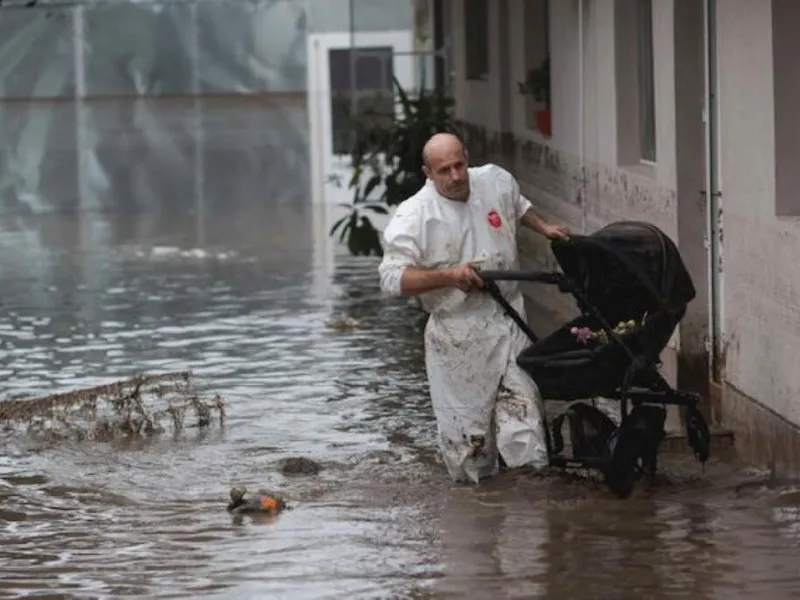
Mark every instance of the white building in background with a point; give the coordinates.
(352, 56)
(183, 107)
(373, 58)
(667, 111)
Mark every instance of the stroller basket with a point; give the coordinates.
(624, 272)
(564, 368)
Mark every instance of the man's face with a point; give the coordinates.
(448, 171)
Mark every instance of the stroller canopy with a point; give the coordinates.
(627, 269)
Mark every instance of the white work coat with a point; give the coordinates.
(471, 346)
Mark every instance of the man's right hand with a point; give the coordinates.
(465, 277)
(416, 281)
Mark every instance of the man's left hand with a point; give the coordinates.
(555, 232)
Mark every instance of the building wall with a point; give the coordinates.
(583, 176)
(761, 270)
(574, 177)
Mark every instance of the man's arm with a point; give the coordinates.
(400, 271)
(533, 221)
(415, 280)
(528, 217)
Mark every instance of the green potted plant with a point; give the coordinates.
(387, 161)
(537, 84)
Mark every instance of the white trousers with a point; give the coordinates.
(485, 405)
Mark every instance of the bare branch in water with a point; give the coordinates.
(129, 408)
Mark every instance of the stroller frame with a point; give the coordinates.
(624, 453)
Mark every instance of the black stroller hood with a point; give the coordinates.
(627, 269)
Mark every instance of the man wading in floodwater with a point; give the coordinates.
(484, 403)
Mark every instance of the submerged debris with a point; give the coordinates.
(138, 407)
(262, 503)
(342, 323)
(298, 465)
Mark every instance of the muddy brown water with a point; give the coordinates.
(90, 300)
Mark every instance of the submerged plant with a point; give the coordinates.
(387, 162)
(142, 406)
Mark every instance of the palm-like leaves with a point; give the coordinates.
(390, 158)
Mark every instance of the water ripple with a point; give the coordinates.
(379, 521)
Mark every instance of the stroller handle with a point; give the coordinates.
(531, 276)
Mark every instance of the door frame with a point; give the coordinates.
(324, 164)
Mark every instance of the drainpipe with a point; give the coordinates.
(79, 67)
(352, 58)
(712, 194)
(582, 121)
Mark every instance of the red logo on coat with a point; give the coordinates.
(494, 219)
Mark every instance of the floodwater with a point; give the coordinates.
(92, 299)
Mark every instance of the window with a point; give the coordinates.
(536, 29)
(372, 90)
(476, 39)
(635, 82)
(442, 43)
(647, 108)
(786, 81)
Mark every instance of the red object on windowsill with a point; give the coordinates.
(543, 122)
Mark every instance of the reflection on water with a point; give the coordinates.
(234, 298)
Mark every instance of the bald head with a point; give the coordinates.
(439, 144)
(445, 163)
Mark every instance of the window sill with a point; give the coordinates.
(531, 134)
(479, 79)
(643, 168)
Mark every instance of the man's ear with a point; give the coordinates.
(426, 171)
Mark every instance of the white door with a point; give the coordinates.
(377, 57)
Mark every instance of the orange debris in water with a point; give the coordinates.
(269, 503)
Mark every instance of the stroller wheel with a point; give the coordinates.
(628, 461)
(697, 433)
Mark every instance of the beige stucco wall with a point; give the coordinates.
(584, 138)
(761, 286)
(582, 126)
(761, 266)
(596, 112)
(479, 101)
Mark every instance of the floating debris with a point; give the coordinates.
(262, 503)
(342, 323)
(298, 465)
(142, 406)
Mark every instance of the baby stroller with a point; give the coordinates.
(629, 275)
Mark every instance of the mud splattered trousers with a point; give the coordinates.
(485, 405)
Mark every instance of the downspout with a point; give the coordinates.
(582, 122)
(352, 59)
(199, 161)
(712, 194)
(79, 67)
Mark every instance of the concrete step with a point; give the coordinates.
(675, 441)
(722, 441)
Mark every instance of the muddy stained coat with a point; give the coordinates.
(471, 346)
